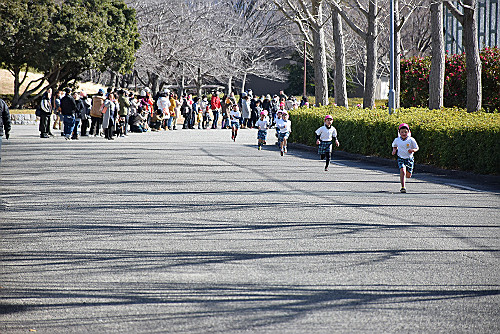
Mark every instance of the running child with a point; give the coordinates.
(325, 136)
(235, 116)
(285, 128)
(262, 124)
(405, 146)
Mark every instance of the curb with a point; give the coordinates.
(488, 179)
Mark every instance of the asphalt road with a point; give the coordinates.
(188, 232)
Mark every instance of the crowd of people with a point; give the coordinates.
(116, 112)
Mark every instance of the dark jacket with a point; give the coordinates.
(4, 118)
(68, 106)
(80, 109)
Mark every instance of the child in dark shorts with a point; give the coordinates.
(405, 146)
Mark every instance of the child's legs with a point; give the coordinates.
(402, 176)
(327, 156)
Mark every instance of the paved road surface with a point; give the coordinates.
(188, 232)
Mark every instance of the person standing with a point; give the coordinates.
(108, 117)
(245, 110)
(85, 113)
(45, 114)
(80, 109)
(68, 110)
(124, 109)
(57, 110)
(96, 113)
(5, 123)
(215, 106)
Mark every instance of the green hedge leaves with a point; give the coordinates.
(448, 138)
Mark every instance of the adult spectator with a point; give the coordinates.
(4, 123)
(68, 110)
(215, 105)
(57, 111)
(163, 105)
(109, 116)
(80, 109)
(45, 114)
(245, 110)
(96, 113)
(124, 108)
(85, 114)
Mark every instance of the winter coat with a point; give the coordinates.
(97, 102)
(245, 108)
(4, 118)
(68, 106)
(124, 105)
(108, 118)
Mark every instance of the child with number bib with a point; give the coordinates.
(325, 136)
(405, 146)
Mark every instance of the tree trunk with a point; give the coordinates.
(397, 56)
(340, 88)
(243, 83)
(229, 85)
(436, 76)
(371, 56)
(472, 60)
(17, 88)
(112, 80)
(319, 55)
(199, 83)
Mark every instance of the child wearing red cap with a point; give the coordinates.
(285, 127)
(325, 136)
(405, 146)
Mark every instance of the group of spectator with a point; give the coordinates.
(116, 112)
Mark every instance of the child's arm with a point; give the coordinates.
(415, 149)
(394, 150)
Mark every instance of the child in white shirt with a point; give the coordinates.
(262, 124)
(405, 146)
(235, 117)
(325, 136)
(284, 126)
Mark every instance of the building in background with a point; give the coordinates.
(488, 16)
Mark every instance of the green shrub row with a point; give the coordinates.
(448, 138)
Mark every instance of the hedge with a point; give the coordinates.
(448, 138)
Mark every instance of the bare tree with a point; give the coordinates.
(472, 61)
(309, 18)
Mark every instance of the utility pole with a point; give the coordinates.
(391, 41)
(305, 68)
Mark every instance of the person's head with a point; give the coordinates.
(67, 90)
(76, 95)
(257, 103)
(279, 114)
(285, 115)
(404, 130)
(263, 114)
(111, 96)
(235, 107)
(328, 120)
(196, 99)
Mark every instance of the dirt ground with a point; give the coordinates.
(7, 83)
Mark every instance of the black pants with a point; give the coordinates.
(95, 125)
(44, 126)
(84, 125)
(327, 157)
